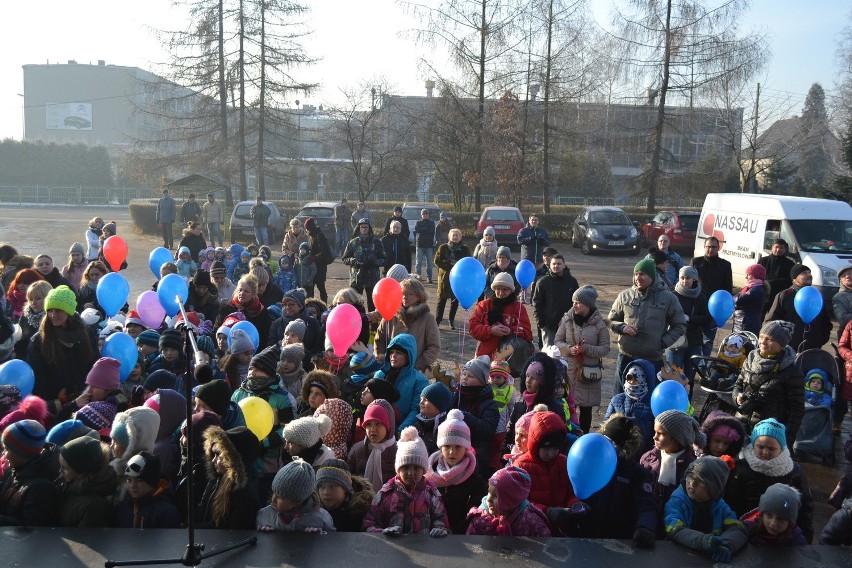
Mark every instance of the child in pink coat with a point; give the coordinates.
(505, 511)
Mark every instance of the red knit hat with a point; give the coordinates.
(756, 271)
(378, 413)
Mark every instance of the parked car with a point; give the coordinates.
(411, 212)
(604, 229)
(679, 226)
(323, 212)
(507, 221)
(242, 226)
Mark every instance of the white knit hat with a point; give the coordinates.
(453, 431)
(410, 450)
(307, 431)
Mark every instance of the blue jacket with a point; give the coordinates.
(680, 513)
(166, 210)
(639, 410)
(285, 279)
(410, 382)
(532, 242)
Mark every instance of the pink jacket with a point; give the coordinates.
(417, 511)
(531, 522)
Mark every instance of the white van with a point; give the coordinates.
(818, 232)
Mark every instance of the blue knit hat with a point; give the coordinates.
(772, 428)
(148, 337)
(24, 438)
(69, 430)
(439, 395)
(364, 363)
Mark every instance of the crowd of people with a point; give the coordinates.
(375, 440)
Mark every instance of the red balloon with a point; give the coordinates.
(115, 252)
(387, 297)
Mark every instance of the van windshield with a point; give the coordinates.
(820, 235)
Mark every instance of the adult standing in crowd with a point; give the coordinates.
(841, 303)
(442, 228)
(214, 217)
(404, 230)
(552, 299)
(715, 274)
(397, 247)
(778, 266)
(675, 261)
(693, 302)
(190, 210)
(260, 214)
(415, 319)
(246, 299)
(360, 213)
(342, 216)
(193, 239)
(294, 237)
(504, 263)
(805, 336)
(424, 243)
(364, 255)
(447, 255)
(166, 214)
(321, 252)
(583, 339)
(93, 236)
(647, 319)
(501, 316)
(533, 239)
(44, 265)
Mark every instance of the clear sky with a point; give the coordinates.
(357, 42)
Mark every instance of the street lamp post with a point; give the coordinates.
(23, 119)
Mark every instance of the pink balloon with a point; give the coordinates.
(150, 310)
(343, 327)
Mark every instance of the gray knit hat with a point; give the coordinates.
(77, 247)
(240, 342)
(298, 327)
(779, 330)
(712, 472)
(587, 295)
(307, 431)
(781, 500)
(397, 272)
(480, 367)
(683, 428)
(503, 279)
(293, 353)
(295, 481)
(689, 272)
(337, 472)
(504, 251)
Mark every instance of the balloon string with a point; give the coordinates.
(464, 331)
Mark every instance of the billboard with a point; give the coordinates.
(69, 116)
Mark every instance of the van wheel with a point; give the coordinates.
(586, 247)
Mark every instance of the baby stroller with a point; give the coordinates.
(717, 375)
(815, 438)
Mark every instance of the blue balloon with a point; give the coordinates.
(112, 292)
(808, 303)
(122, 348)
(18, 372)
(669, 395)
(591, 464)
(721, 306)
(158, 257)
(170, 287)
(250, 329)
(525, 273)
(467, 279)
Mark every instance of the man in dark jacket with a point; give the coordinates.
(28, 496)
(342, 214)
(165, 217)
(397, 216)
(714, 273)
(397, 247)
(190, 210)
(321, 253)
(552, 299)
(533, 240)
(813, 335)
(778, 266)
(424, 242)
(260, 214)
(364, 255)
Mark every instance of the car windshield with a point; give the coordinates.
(821, 235)
(608, 218)
(316, 212)
(689, 222)
(243, 211)
(503, 215)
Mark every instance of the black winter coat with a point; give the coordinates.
(459, 499)
(314, 340)
(818, 331)
(552, 298)
(68, 373)
(28, 496)
(714, 274)
(699, 316)
(397, 251)
(195, 244)
(405, 231)
(838, 529)
(481, 415)
(245, 504)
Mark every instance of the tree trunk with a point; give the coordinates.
(477, 165)
(545, 181)
(653, 174)
(223, 109)
(242, 128)
(259, 168)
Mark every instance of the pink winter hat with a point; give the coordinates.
(512, 485)
(105, 374)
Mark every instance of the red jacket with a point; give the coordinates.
(845, 350)
(514, 316)
(550, 484)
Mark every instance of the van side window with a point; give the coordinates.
(773, 231)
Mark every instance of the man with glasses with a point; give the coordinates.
(714, 273)
(675, 261)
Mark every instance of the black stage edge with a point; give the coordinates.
(70, 548)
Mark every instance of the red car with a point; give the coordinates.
(507, 222)
(679, 226)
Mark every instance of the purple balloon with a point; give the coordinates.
(150, 310)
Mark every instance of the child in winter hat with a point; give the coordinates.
(699, 496)
(435, 401)
(427, 514)
(477, 369)
(291, 370)
(347, 498)
(23, 440)
(295, 506)
(505, 511)
(303, 439)
(774, 521)
(453, 471)
(374, 456)
(295, 332)
(98, 416)
(675, 434)
(340, 413)
(147, 504)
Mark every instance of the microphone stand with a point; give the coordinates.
(194, 553)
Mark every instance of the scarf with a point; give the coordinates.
(251, 309)
(503, 524)
(443, 475)
(755, 283)
(579, 320)
(96, 231)
(33, 319)
(529, 399)
(757, 364)
(636, 392)
(435, 421)
(668, 468)
(495, 314)
(292, 382)
(373, 470)
(693, 292)
(257, 384)
(503, 395)
(782, 464)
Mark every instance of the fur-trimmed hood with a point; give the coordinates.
(361, 497)
(237, 451)
(718, 418)
(412, 313)
(324, 378)
(142, 424)
(629, 450)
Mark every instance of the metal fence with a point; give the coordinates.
(53, 195)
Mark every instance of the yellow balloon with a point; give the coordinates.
(259, 416)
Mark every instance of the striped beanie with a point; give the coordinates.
(337, 472)
(24, 438)
(453, 431)
(148, 337)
